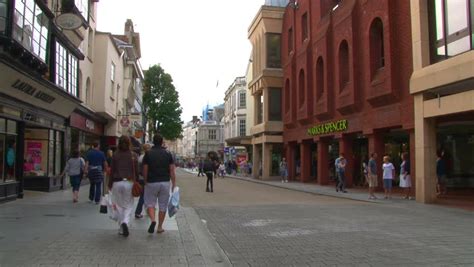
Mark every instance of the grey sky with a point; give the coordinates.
(197, 42)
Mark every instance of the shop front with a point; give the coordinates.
(86, 129)
(8, 153)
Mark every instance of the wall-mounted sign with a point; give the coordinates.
(124, 122)
(90, 125)
(329, 127)
(69, 21)
(33, 91)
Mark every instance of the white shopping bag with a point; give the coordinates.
(111, 209)
(173, 204)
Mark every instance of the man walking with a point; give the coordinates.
(158, 171)
(340, 165)
(96, 165)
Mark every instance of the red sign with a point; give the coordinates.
(85, 124)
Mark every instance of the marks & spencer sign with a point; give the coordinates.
(328, 128)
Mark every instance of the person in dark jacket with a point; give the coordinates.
(96, 166)
(210, 170)
(200, 168)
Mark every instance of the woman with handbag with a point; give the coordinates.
(75, 169)
(124, 173)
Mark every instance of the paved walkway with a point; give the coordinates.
(47, 229)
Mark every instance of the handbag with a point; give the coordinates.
(137, 188)
(103, 204)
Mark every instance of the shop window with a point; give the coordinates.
(343, 65)
(30, 28)
(377, 54)
(8, 152)
(319, 78)
(274, 112)
(287, 96)
(301, 87)
(451, 28)
(273, 50)
(3, 16)
(43, 152)
(66, 70)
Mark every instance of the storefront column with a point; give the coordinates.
(256, 162)
(412, 158)
(266, 161)
(290, 158)
(376, 145)
(345, 146)
(305, 156)
(425, 153)
(323, 157)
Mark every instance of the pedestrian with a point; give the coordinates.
(441, 174)
(124, 173)
(141, 199)
(200, 167)
(108, 157)
(405, 179)
(158, 171)
(388, 175)
(284, 170)
(74, 168)
(221, 170)
(340, 165)
(372, 178)
(96, 166)
(209, 170)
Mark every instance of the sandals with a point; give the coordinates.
(159, 231)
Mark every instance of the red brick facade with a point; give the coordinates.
(343, 70)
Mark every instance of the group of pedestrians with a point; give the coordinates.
(154, 170)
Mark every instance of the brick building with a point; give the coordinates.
(347, 66)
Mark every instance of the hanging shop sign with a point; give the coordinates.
(329, 127)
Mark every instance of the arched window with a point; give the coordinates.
(319, 78)
(301, 86)
(287, 95)
(377, 59)
(343, 65)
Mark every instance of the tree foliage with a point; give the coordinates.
(161, 102)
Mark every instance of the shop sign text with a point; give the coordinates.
(33, 91)
(327, 128)
(90, 125)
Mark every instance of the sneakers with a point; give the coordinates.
(124, 228)
(138, 216)
(151, 229)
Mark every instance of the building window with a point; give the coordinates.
(287, 96)
(90, 44)
(343, 65)
(319, 78)
(30, 28)
(304, 27)
(259, 102)
(83, 7)
(274, 112)
(301, 87)
(43, 152)
(212, 134)
(451, 28)
(377, 59)
(8, 151)
(242, 100)
(273, 50)
(88, 90)
(242, 130)
(112, 80)
(66, 70)
(290, 40)
(3, 16)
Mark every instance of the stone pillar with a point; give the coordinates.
(376, 145)
(305, 155)
(345, 146)
(323, 157)
(290, 158)
(266, 161)
(425, 153)
(412, 158)
(256, 162)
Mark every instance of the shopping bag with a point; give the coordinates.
(111, 208)
(173, 204)
(104, 203)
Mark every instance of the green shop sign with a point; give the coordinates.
(327, 128)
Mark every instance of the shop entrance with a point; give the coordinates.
(314, 162)
(333, 154)
(360, 154)
(396, 143)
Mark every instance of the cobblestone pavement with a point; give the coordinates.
(272, 226)
(47, 229)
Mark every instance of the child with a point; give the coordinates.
(388, 174)
(221, 170)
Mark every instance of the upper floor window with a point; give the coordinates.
(290, 40)
(30, 27)
(90, 43)
(67, 67)
(287, 95)
(343, 65)
(301, 87)
(451, 28)
(273, 50)
(212, 134)
(112, 80)
(242, 100)
(304, 27)
(274, 107)
(242, 129)
(83, 7)
(319, 78)
(259, 113)
(3, 16)
(377, 53)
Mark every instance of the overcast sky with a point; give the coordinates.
(197, 42)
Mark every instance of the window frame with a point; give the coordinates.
(67, 70)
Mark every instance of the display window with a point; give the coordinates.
(43, 152)
(8, 139)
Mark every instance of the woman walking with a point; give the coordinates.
(284, 170)
(124, 173)
(75, 169)
(388, 174)
(405, 179)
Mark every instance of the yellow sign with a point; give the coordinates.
(330, 127)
